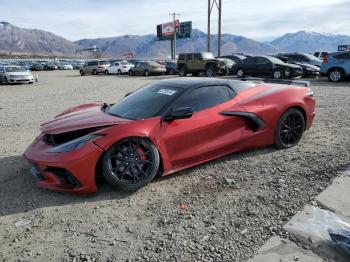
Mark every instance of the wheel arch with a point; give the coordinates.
(336, 67)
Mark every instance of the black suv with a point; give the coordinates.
(267, 66)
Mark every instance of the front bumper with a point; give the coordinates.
(67, 172)
(21, 80)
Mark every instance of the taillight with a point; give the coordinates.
(325, 59)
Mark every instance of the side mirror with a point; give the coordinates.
(179, 113)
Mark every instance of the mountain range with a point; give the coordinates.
(20, 40)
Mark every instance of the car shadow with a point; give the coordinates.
(18, 192)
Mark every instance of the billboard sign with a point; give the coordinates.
(168, 28)
(166, 31)
(343, 47)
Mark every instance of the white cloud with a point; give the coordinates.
(255, 18)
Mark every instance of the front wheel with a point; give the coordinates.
(289, 129)
(146, 73)
(94, 72)
(119, 72)
(210, 71)
(106, 72)
(131, 163)
(335, 75)
(131, 73)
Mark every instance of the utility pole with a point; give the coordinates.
(218, 4)
(173, 44)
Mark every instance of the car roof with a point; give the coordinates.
(191, 83)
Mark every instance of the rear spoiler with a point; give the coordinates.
(277, 81)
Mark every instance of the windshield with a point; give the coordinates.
(104, 63)
(207, 55)
(274, 60)
(15, 69)
(311, 57)
(146, 102)
(125, 63)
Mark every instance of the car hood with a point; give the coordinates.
(305, 65)
(289, 65)
(81, 117)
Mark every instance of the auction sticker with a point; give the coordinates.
(167, 92)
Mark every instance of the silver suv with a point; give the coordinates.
(94, 67)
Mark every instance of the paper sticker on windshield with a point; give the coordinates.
(166, 92)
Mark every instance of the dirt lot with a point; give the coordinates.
(234, 204)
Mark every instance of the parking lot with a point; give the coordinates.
(233, 204)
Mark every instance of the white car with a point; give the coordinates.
(120, 67)
(63, 66)
(12, 74)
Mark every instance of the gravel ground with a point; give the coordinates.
(220, 211)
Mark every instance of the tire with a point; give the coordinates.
(277, 74)
(119, 72)
(6, 80)
(183, 71)
(171, 72)
(240, 72)
(81, 72)
(335, 75)
(146, 73)
(210, 71)
(106, 72)
(94, 72)
(289, 129)
(131, 163)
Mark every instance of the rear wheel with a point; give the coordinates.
(131, 73)
(335, 75)
(119, 72)
(131, 163)
(171, 71)
(94, 72)
(289, 129)
(106, 72)
(81, 72)
(146, 73)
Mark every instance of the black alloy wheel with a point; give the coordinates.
(289, 129)
(131, 163)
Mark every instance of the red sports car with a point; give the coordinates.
(164, 127)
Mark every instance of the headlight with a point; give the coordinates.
(74, 144)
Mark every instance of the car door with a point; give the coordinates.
(114, 69)
(343, 61)
(250, 66)
(264, 66)
(2, 74)
(208, 133)
(197, 61)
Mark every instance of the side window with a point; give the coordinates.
(197, 56)
(261, 61)
(188, 56)
(181, 56)
(250, 60)
(205, 97)
(344, 56)
(116, 64)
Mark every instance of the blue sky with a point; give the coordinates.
(257, 19)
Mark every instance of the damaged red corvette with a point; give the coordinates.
(164, 127)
